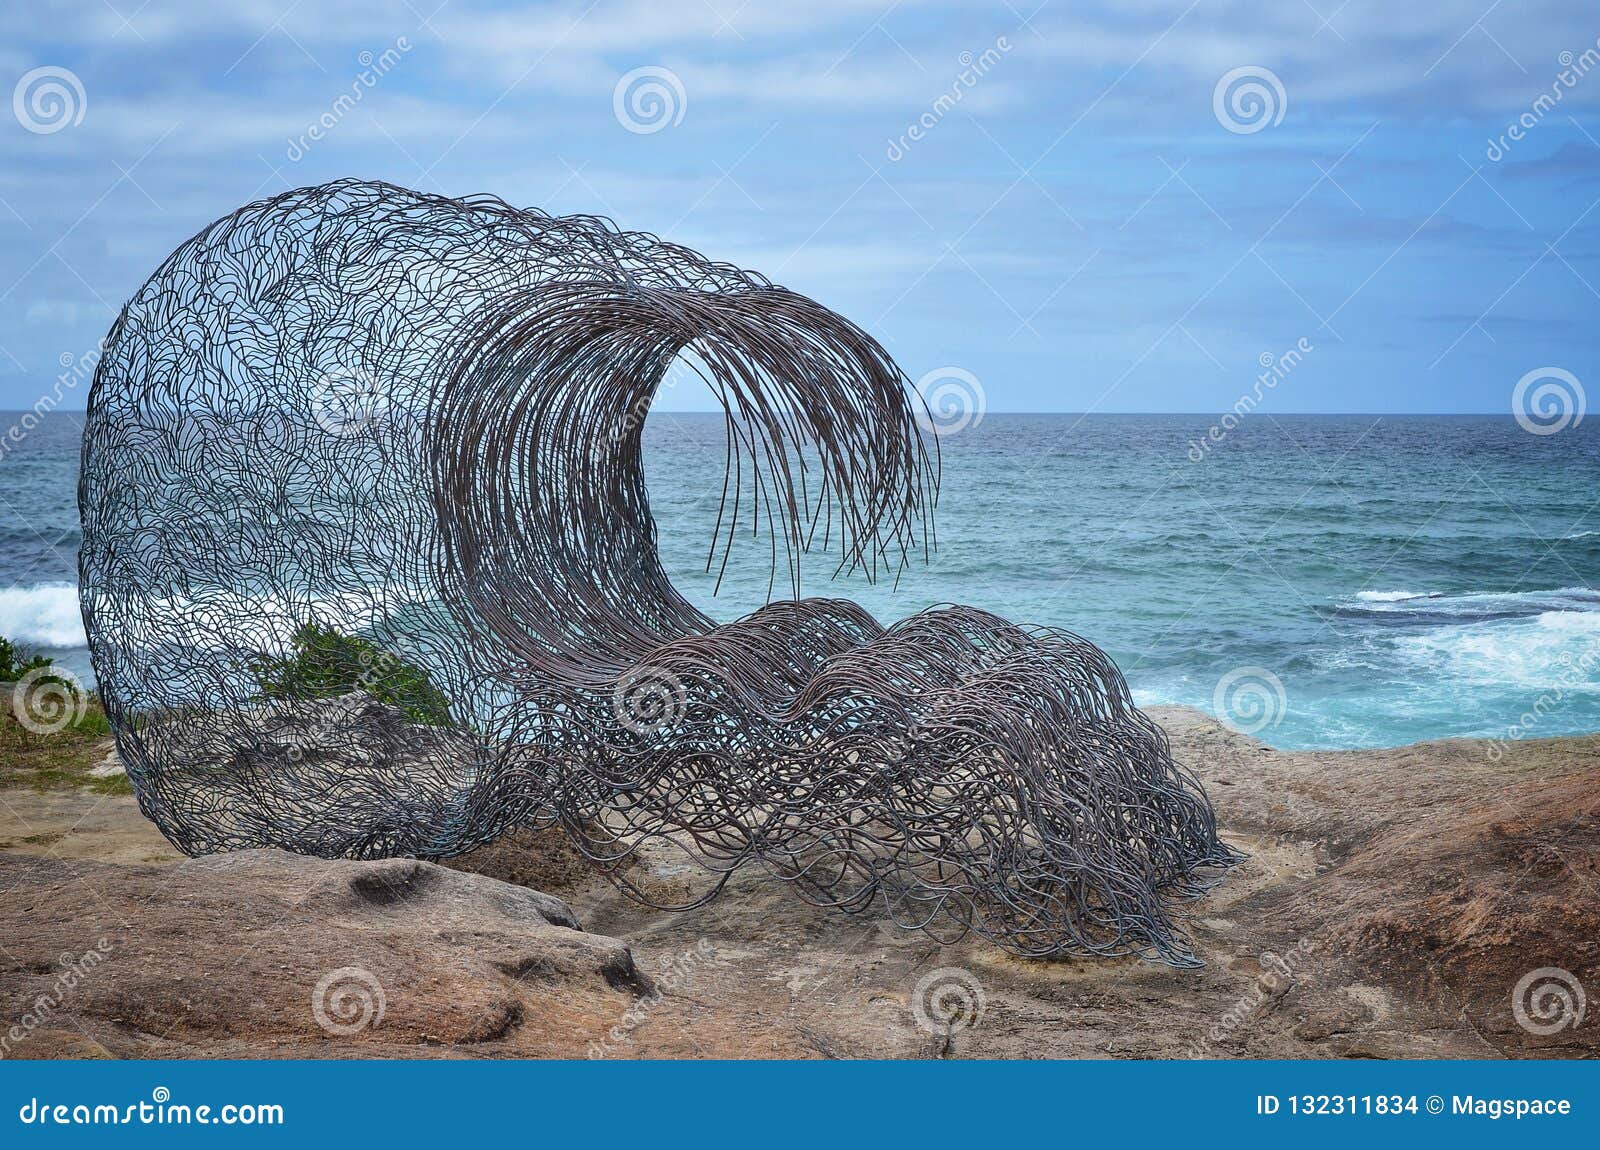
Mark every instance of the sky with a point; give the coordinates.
(1120, 207)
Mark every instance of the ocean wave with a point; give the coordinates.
(44, 615)
(1553, 650)
(1395, 608)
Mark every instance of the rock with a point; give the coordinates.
(1392, 902)
(289, 771)
(1462, 902)
(268, 953)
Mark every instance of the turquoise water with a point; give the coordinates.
(1349, 581)
(1403, 579)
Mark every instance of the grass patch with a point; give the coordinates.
(54, 749)
(61, 759)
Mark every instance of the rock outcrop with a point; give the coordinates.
(1393, 904)
(268, 953)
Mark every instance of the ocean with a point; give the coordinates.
(1320, 581)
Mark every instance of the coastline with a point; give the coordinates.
(1392, 604)
(1392, 902)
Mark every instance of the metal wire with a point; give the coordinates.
(388, 446)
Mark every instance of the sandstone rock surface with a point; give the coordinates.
(1392, 903)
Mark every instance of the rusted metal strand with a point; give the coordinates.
(416, 422)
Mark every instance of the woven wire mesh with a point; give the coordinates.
(369, 569)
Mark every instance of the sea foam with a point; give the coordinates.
(43, 615)
(1532, 653)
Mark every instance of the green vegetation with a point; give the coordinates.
(326, 663)
(14, 664)
(66, 734)
(63, 737)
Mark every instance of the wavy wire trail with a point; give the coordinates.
(414, 424)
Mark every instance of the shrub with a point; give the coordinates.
(325, 663)
(14, 664)
(48, 696)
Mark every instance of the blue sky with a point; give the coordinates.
(1093, 225)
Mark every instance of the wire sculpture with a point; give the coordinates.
(368, 569)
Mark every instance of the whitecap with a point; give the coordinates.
(1554, 650)
(1440, 609)
(43, 615)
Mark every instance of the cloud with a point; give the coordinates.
(1575, 160)
(1419, 60)
(790, 107)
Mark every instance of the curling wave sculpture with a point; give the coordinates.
(368, 569)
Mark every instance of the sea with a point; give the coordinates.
(1318, 581)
